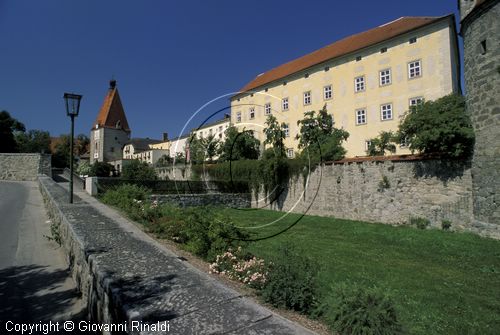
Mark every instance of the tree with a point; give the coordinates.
(203, 149)
(33, 141)
(60, 156)
(239, 145)
(8, 125)
(319, 138)
(101, 169)
(384, 142)
(164, 161)
(137, 170)
(275, 135)
(81, 144)
(440, 126)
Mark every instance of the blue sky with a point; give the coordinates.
(169, 57)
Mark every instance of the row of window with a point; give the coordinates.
(386, 112)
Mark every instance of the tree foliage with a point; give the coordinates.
(275, 135)
(239, 145)
(384, 142)
(203, 149)
(137, 170)
(319, 138)
(440, 126)
(33, 141)
(8, 125)
(101, 169)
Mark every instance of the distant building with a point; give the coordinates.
(110, 130)
(367, 81)
(178, 146)
(142, 149)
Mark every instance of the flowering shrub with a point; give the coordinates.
(242, 267)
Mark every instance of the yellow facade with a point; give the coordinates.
(433, 46)
(161, 146)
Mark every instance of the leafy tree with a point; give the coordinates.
(320, 139)
(203, 149)
(239, 145)
(384, 142)
(164, 161)
(180, 158)
(33, 141)
(60, 156)
(275, 135)
(81, 144)
(84, 168)
(440, 126)
(137, 170)
(7, 127)
(101, 169)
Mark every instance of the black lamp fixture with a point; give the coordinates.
(72, 102)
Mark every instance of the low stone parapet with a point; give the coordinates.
(24, 166)
(230, 200)
(128, 279)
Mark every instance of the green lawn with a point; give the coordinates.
(441, 282)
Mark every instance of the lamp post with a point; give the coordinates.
(72, 108)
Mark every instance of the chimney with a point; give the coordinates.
(165, 137)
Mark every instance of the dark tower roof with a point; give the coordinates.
(112, 114)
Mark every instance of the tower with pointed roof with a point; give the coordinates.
(110, 130)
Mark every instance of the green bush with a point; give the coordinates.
(291, 280)
(355, 310)
(446, 224)
(129, 198)
(101, 169)
(137, 170)
(420, 223)
(200, 230)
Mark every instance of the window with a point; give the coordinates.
(252, 113)
(482, 47)
(268, 108)
(368, 144)
(361, 116)
(284, 104)
(416, 101)
(413, 40)
(385, 77)
(286, 130)
(307, 98)
(386, 112)
(327, 92)
(290, 153)
(112, 149)
(414, 69)
(210, 132)
(383, 50)
(327, 68)
(359, 84)
(220, 129)
(238, 116)
(306, 75)
(96, 135)
(358, 58)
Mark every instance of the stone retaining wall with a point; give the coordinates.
(385, 191)
(22, 166)
(211, 199)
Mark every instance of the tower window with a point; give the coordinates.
(118, 124)
(413, 40)
(482, 47)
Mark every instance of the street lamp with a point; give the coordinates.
(72, 108)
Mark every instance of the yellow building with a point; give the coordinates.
(367, 81)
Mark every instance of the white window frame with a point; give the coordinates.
(386, 112)
(286, 129)
(415, 69)
(307, 98)
(290, 153)
(267, 108)
(360, 116)
(238, 117)
(367, 144)
(327, 92)
(385, 77)
(284, 104)
(359, 84)
(404, 142)
(96, 135)
(415, 101)
(251, 113)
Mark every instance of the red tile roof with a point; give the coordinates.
(112, 114)
(343, 47)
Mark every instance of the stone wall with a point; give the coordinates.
(481, 33)
(211, 199)
(382, 191)
(178, 172)
(14, 166)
